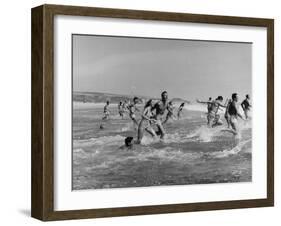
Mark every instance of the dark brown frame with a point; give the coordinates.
(42, 198)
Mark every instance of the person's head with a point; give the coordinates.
(107, 102)
(234, 96)
(129, 141)
(135, 100)
(148, 103)
(170, 103)
(120, 103)
(210, 98)
(164, 95)
(248, 96)
(220, 98)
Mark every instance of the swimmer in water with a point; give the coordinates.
(234, 113)
(146, 122)
(246, 106)
(129, 141)
(180, 110)
(106, 111)
(160, 108)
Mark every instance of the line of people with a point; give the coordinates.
(155, 115)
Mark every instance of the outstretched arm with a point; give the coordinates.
(224, 106)
(203, 102)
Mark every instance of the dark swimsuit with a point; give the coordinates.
(232, 109)
(246, 104)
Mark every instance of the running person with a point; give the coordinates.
(234, 114)
(106, 111)
(180, 110)
(226, 115)
(160, 107)
(209, 105)
(213, 118)
(246, 106)
(132, 109)
(121, 109)
(170, 113)
(146, 122)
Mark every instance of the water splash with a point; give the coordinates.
(228, 152)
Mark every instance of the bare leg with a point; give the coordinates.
(136, 122)
(161, 129)
(233, 123)
(140, 132)
(151, 132)
(166, 120)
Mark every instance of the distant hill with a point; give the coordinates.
(97, 97)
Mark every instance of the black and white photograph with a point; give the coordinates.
(160, 112)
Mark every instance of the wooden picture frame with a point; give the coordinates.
(42, 203)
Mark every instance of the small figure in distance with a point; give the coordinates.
(180, 109)
(106, 111)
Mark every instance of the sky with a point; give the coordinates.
(189, 69)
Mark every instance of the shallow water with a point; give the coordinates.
(190, 154)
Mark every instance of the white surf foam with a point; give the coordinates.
(227, 152)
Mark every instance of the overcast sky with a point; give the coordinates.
(143, 66)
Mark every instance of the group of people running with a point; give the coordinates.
(231, 114)
(155, 115)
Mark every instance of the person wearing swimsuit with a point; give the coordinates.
(213, 118)
(246, 106)
(170, 113)
(233, 113)
(132, 109)
(160, 107)
(180, 110)
(106, 111)
(146, 122)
